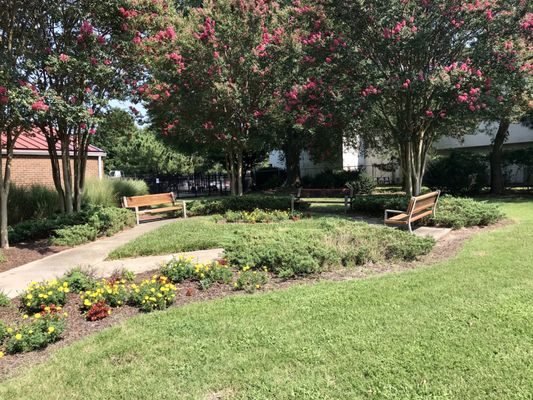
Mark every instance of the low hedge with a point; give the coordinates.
(452, 212)
(458, 212)
(314, 246)
(76, 228)
(243, 203)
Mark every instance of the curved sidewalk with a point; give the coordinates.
(92, 255)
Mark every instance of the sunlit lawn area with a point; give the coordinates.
(461, 329)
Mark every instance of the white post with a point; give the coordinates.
(184, 209)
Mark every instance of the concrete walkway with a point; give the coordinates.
(92, 254)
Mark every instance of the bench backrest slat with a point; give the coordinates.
(323, 192)
(422, 203)
(148, 200)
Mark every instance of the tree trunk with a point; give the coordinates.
(239, 173)
(67, 178)
(56, 171)
(292, 154)
(4, 195)
(497, 185)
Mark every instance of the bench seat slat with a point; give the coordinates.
(418, 208)
(159, 210)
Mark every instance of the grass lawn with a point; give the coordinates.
(462, 329)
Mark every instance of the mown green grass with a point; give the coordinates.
(461, 329)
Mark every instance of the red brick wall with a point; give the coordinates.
(30, 170)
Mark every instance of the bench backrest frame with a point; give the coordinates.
(340, 192)
(419, 204)
(148, 200)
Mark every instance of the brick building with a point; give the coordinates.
(31, 162)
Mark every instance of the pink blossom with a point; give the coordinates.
(472, 107)
(499, 98)
(4, 99)
(88, 90)
(414, 29)
(489, 15)
(63, 57)
(83, 125)
(216, 55)
(429, 113)
(134, 110)
(462, 98)
(208, 125)
(92, 131)
(90, 111)
(258, 113)
(170, 33)
(86, 28)
(39, 105)
(3, 90)
(442, 114)
(406, 84)
(101, 39)
(94, 61)
(107, 61)
(329, 60)
(137, 40)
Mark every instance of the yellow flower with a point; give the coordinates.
(1, 354)
(9, 330)
(18, 336)
(29, 297)
(51, 329)
(37, 316)
(25, 316)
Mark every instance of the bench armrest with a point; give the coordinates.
(392, 212)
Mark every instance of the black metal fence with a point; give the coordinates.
(193, 185)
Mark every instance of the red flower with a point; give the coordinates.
(63, 57)
(39, 106)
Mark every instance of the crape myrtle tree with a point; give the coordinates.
(19, 102)
(222, 77)
(413, 71)
(77, 66)
(508, 62)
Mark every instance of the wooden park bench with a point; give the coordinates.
(166, 201)
(418, 208)
(344, 196)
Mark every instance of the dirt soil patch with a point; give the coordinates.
(24, 253)
(188, 292)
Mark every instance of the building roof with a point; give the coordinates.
(34, 143)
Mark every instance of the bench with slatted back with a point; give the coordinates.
(344, 196)
(418, 208)
(165, 200)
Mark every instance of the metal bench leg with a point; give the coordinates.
(184, 209)
(409, 225)
(137, 215)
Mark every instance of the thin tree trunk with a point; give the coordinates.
(239, 174)
(292, 154)
(406, 167)
(56, 171)
(497, 185)
(67, 177)
(5, 185)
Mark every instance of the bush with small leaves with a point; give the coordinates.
(178, 269)
(40, 294)
(250, 280)
(152, 294)
(5, 301)
(113, 292)
(42, 329)
(80, 279)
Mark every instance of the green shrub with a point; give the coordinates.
(74, 235)
(80, 279)
(2, 257)
(256, 215)
(3, 333)
(243, 203)
(113, 292)
(31, 202)
(315, 246)
(178, 269)
(377, 204)
(109, 192)
(39, 294)
(5, 301)
(456, 212)
(35, 335)
(459, 173)
(153, 294)
(250, 281)
(363, 184)
(60, 228)
(331, 179)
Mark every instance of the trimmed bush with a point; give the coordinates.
(315, 246)
(452, 212)
(61, 229)
(31, 202)
(80, 279)
(363, 184)
(109, 192)
(5, 301)
(457, 212)
(243, 203)
(250, 281)
(459, 173)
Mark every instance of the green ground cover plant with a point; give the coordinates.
(459, 329)
(76, 228)
(452, 212)
(244, 203)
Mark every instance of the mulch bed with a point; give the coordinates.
(24, 253)
(188, 292)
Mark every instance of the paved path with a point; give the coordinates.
(92, 254)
